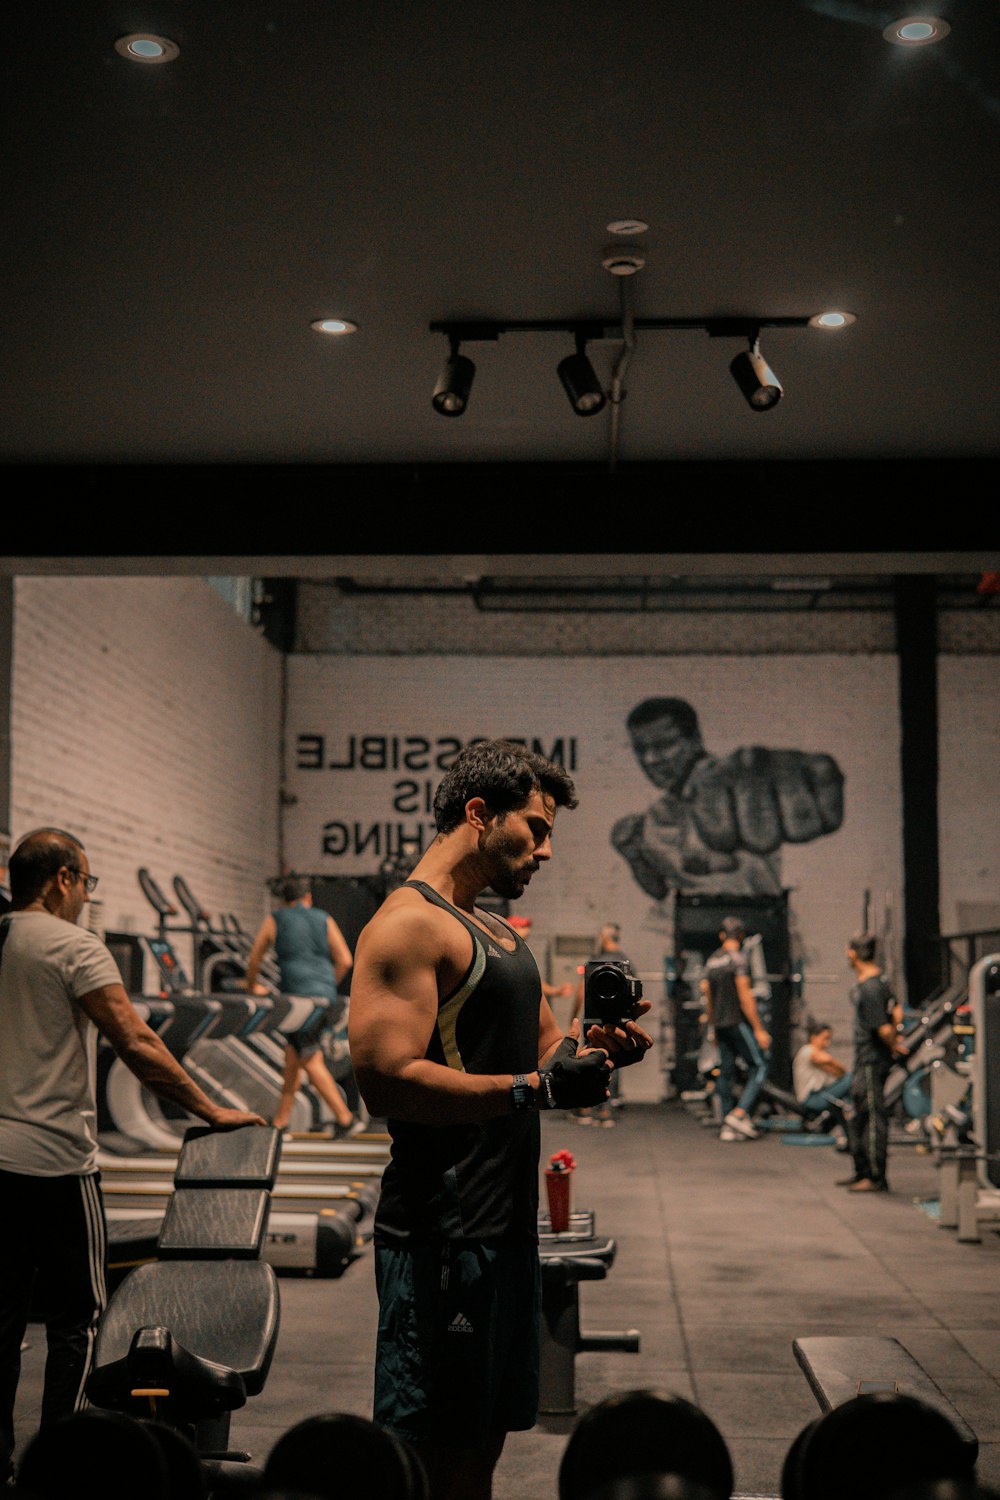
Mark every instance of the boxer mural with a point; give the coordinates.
(719, 823)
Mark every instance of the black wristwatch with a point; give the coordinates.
(522, 1094)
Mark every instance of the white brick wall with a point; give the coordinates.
(969, 717)
(831, 704)
(329, 621)
(450, 624)
(146, 719)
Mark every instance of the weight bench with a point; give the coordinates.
(185, 1339)
(838, 1369)
(567, 1258)
(965, 1202)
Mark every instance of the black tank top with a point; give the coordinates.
(476, 1182)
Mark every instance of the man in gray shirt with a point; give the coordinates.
(59, 987)
(736, 1028)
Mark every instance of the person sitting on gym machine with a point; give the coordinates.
(821, 1082)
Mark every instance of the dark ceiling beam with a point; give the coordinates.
(675, 516)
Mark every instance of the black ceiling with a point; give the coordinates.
(172, 230)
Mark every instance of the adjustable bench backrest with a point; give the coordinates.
(222, 1194)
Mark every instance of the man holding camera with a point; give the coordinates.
(453, 1042)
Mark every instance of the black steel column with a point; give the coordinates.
(6, 666)
(916, 644)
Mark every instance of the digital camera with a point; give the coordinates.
(610, 991)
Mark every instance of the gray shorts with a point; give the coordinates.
(457, 1354)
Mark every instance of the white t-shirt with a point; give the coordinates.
(806, 1077)
(48, 1047)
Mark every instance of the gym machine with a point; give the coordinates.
(969, 1169)
(187, 1338)
(776, 981)
(220, 958)
(568, 1257)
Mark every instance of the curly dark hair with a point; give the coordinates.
(505, 775)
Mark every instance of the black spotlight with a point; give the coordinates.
(580, 382)
(451, 394)
(756, 379)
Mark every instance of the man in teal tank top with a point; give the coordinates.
(313, 957)
(454, 1043)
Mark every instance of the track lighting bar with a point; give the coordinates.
(754, 376)
(590, 329)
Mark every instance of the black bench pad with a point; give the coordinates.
(223, 1311)
(836, 1367)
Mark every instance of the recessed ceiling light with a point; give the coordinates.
(832, 320)
(627, 226)
(334, 325)
(916, 31)
(143, 46)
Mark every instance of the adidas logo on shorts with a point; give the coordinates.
(460, 1324)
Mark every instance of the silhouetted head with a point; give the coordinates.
(638, 1434)
(874, 1444)
(107, 1452)
(337, 1453)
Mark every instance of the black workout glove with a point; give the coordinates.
(565, 1051)
(574, 1082)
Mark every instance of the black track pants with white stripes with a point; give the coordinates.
(868, 1124)
(53, 1248)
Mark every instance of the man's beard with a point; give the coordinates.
(507, 876)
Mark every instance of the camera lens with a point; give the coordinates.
(610, 992)
(609, 984)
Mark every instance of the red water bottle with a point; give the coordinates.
(557, 1184)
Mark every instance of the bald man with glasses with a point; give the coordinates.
(59, 987)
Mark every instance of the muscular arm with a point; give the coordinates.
(394, 1009)
(706, 995)
(144, 1054)
(339, 951)
(266, 934)
(748, 1005)
(578, 1002)
(888, 1034)
(549, 1034)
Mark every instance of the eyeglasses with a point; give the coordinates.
(89, 881)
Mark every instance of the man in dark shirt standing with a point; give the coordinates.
(875, 1046)
(733, 1022)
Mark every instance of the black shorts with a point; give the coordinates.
(457, 1354)
(309, 1038)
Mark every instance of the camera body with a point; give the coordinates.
(610, 991)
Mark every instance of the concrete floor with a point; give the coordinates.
(726, 1253)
